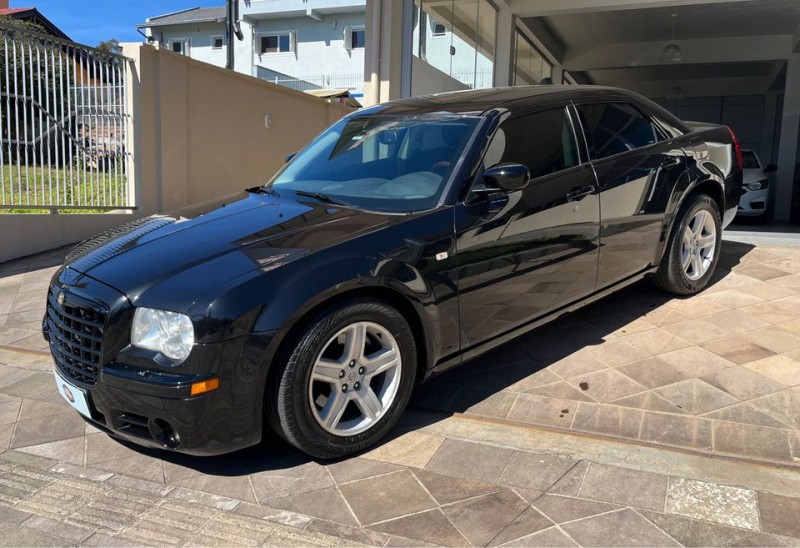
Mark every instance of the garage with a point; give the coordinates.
(725, 62)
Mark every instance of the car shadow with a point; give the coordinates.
(472, 383)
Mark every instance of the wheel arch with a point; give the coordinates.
(304, 315)
(711, 186)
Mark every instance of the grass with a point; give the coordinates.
(31, 186)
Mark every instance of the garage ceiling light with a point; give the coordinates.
(672, 52)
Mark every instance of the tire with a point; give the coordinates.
(319, 414)
(674, 275)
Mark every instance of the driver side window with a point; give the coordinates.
(542, 141)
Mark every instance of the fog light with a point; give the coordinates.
(205, 386)
(164, 433)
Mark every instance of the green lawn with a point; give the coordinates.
(74, 187)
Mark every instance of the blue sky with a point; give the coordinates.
(91, 21)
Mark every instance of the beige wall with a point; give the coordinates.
(24, 234)
(198, 133)
(201, 129)
(3, 4)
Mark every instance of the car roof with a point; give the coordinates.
(482, 100)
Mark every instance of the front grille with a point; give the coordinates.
(76, 337)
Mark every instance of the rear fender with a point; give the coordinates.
(711, 184)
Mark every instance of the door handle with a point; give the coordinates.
(579, 193)
(670, 162)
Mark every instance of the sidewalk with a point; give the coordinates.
(642, 420)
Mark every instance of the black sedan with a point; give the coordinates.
(404, 240)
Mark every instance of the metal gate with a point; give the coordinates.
(65, 137)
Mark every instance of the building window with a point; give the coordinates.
(217, 42)
(354, 38)
(277, 43)
(179, 45)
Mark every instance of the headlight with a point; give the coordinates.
(170, 333)
(758, 185)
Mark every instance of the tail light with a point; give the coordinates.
(737, 147)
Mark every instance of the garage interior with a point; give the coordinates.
(732, 62)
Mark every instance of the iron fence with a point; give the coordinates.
(65, 141)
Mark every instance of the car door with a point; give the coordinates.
(637, 167)
(522, 254)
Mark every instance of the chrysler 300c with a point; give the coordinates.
(404, 240)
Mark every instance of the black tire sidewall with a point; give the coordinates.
(294, 415)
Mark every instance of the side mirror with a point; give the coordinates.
(770, 168)
(290, 156)
(508, 177)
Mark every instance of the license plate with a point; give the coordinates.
(75, 396)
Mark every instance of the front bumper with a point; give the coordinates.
(132, 398)
(753, 203)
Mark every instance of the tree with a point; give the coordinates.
(110, 46)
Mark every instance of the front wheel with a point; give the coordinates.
(693, 250)
(346, 381)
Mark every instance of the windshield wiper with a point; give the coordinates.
(263, 190)
(320, 196)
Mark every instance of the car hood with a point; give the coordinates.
(172, 259)
(752, 175)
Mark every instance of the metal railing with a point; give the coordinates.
(65, 138)
(352, 82)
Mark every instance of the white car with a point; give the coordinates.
(755, 190)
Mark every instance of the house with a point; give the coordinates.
(316, 44)
(31, 15)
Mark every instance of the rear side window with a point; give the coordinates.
(542, 141)
(612, 128)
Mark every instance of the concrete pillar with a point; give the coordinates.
(504, 53)
(384, 52)
(558, 74)
(787, 150)
(768, 131)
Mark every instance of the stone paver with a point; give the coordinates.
(633, 367)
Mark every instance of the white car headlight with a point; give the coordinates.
(170, 333)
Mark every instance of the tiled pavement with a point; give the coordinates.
(715, 374)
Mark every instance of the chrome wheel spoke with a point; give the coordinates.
(368, 402)
(686, 260)
(355, 338)
(326, 371)
(379, 362)
(699, 222)
(697, 264)
(332, 413)
(706, 241)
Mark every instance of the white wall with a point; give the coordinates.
(426, 79)
(320, 46)
(200, 35)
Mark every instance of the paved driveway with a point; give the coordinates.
(603, 429)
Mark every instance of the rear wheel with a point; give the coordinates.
(693, 250)
(346, 381)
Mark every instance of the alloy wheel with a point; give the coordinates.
(354, 380)
(699, 244)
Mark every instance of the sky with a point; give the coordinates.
(92, 21)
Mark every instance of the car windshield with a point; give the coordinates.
(380, 162)
(749, 160)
